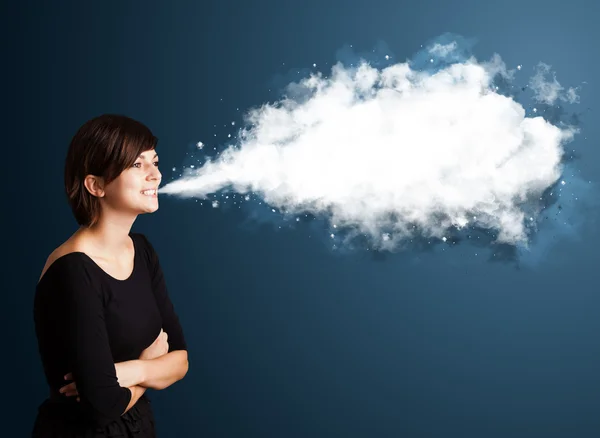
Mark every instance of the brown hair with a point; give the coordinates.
(104, 146)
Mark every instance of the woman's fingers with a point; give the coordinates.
(69, 390)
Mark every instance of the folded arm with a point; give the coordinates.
(158, 373)
(89, 350)
(163, 371)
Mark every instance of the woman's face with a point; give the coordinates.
(136, 189)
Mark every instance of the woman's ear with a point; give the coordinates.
(94, 185)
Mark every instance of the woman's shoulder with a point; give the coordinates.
(147, 249)
(139, 237)
(66, 254)
(141, 240)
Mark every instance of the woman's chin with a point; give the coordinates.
(149, 209)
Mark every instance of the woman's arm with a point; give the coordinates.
(136, 393)
(158, 373)
(170, 320)
(130, 374)
(89, 349)
(163, 371)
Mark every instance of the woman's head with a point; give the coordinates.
(109, 158)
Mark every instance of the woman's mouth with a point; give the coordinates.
(151, 193)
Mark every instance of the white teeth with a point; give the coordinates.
(149, 192)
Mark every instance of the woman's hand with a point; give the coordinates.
(127, 374)
(159, 347)
(69, 390)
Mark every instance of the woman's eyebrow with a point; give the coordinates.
(155, 155)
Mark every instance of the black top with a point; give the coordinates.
(85, 322)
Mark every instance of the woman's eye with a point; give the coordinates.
(139, 165)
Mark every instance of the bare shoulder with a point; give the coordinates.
(67, 247)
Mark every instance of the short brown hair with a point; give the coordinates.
(104, 146)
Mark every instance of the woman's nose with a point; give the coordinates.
(155, 173)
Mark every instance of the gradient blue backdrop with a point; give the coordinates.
(285, 338)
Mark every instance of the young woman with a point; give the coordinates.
(106, 328)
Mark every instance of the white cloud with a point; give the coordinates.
(443, 50)
(379, 151)
(549, 90)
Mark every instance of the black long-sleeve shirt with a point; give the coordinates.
(86, 321)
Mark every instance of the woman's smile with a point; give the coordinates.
(150, 192)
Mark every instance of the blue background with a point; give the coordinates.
(286, 338)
